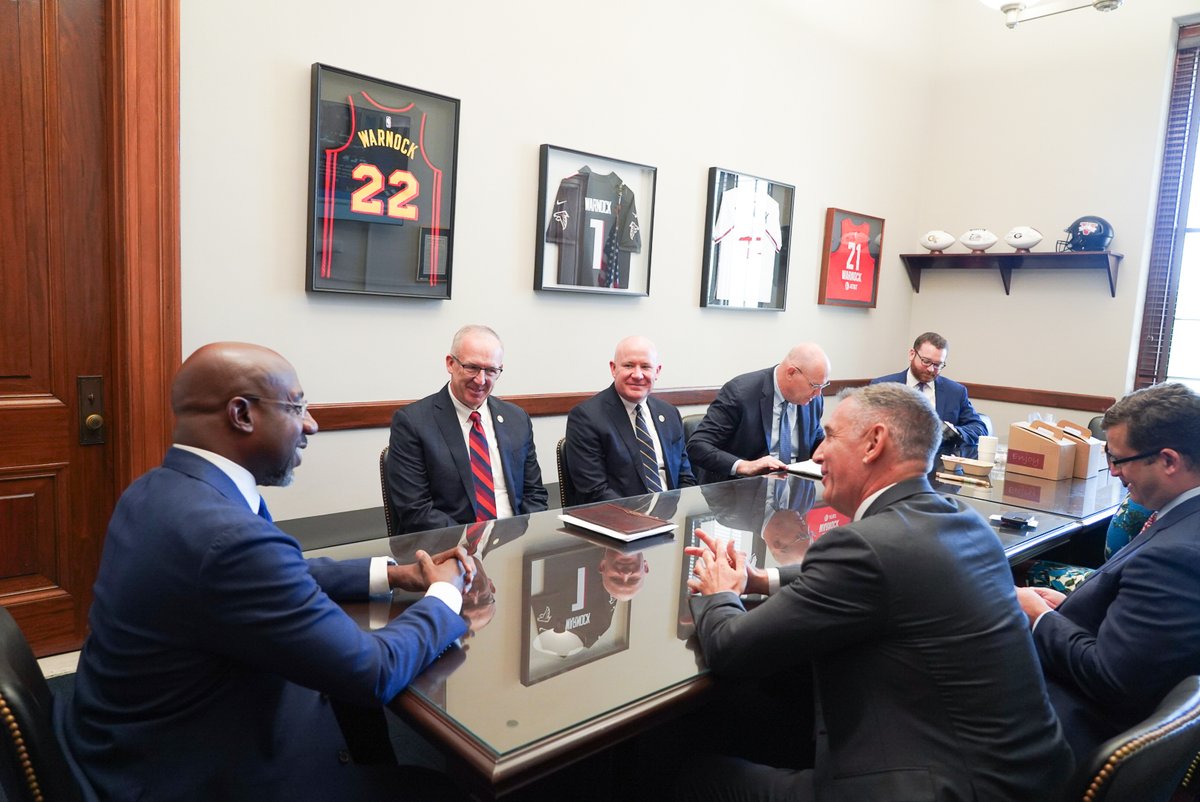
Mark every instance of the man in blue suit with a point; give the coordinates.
(433, 479)
(961, 425)
(623, 441)
(1121, 640)
(215, 646)
(764, 420)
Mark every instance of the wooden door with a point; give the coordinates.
(55, 297)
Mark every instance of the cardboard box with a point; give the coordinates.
(1089, 452)
(1038, 450)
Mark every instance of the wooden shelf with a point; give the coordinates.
(1006, 263)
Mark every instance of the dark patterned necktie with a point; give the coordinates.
(481, 472)
(647, 460)
(785, 435)
(1149, 522)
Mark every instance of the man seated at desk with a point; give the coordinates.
(762, 421)
(926, 680)
(460, 455)
(215, 647)
(961, 425)
(1125, 636)
(622, 441)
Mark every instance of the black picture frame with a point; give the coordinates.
(590, 206)
(569, 574)
(383, 162)
(747, 235)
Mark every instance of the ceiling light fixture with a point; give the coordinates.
(1016, 11)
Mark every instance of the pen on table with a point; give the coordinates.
(970, 480)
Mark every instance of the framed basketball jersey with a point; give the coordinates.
(850, 259)
(383, 162)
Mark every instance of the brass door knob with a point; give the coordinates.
(93, 421)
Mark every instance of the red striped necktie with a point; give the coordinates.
(481, 472)
(1149, 522)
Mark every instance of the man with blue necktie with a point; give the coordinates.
(961, 425)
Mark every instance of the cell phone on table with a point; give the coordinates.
(1019, 519)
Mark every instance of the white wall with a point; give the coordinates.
(852, 102)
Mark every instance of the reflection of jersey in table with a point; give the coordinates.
(747, 233)
(376, 170)
(573, 598)
(593, 213)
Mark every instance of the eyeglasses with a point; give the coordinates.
(297, 408)
(929, 363)
(1113, 463)
(475, 370)
(812, 384)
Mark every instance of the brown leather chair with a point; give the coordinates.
(34, 765)
(567, 494)
(387, 502)
(1147, 762)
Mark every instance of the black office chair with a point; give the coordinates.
(387, 502)
(34, 767)
(1096, 427)
(1146, 762)
(567, 494)
(690, 422)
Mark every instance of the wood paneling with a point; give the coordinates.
(377, 414)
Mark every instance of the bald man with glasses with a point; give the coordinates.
(961, 425)
(461, 456)
(764, 420)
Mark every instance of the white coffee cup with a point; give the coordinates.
(987, 448)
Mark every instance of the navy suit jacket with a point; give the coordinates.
(429, 470)
(214, 645)
(1128, 634)
(738, 426)
(602, 449)
(952, 405)
(927, 684)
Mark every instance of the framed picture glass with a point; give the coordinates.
(572, 615)
(382, 168)
(746, 236)
(850, 259)
(595, 223)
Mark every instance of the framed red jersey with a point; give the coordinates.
(850, 259)
(383, 162)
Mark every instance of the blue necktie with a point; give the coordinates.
(263, 512)
(785, 435)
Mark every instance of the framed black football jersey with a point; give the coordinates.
(382, 168)
(595, 223)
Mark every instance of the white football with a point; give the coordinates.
(937, 240)
(1023, 237)
(978, 239)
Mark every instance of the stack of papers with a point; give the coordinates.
(806, 468)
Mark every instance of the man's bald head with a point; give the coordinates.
(803, 373)
(244, 402)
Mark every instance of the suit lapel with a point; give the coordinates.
(452, 433)
(507, 447)
(766, 406)
(622, 425)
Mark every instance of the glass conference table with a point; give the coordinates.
(580, 641)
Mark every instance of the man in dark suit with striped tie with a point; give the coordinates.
(461, 455)
(1113, 648)
(622, 441)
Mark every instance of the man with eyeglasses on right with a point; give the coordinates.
(1115, 646)
(764, 420)
(961, 425)
(460, 456)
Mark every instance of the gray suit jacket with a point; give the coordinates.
(927, 682)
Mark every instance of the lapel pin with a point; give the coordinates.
(499, 419)
(661, 419)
